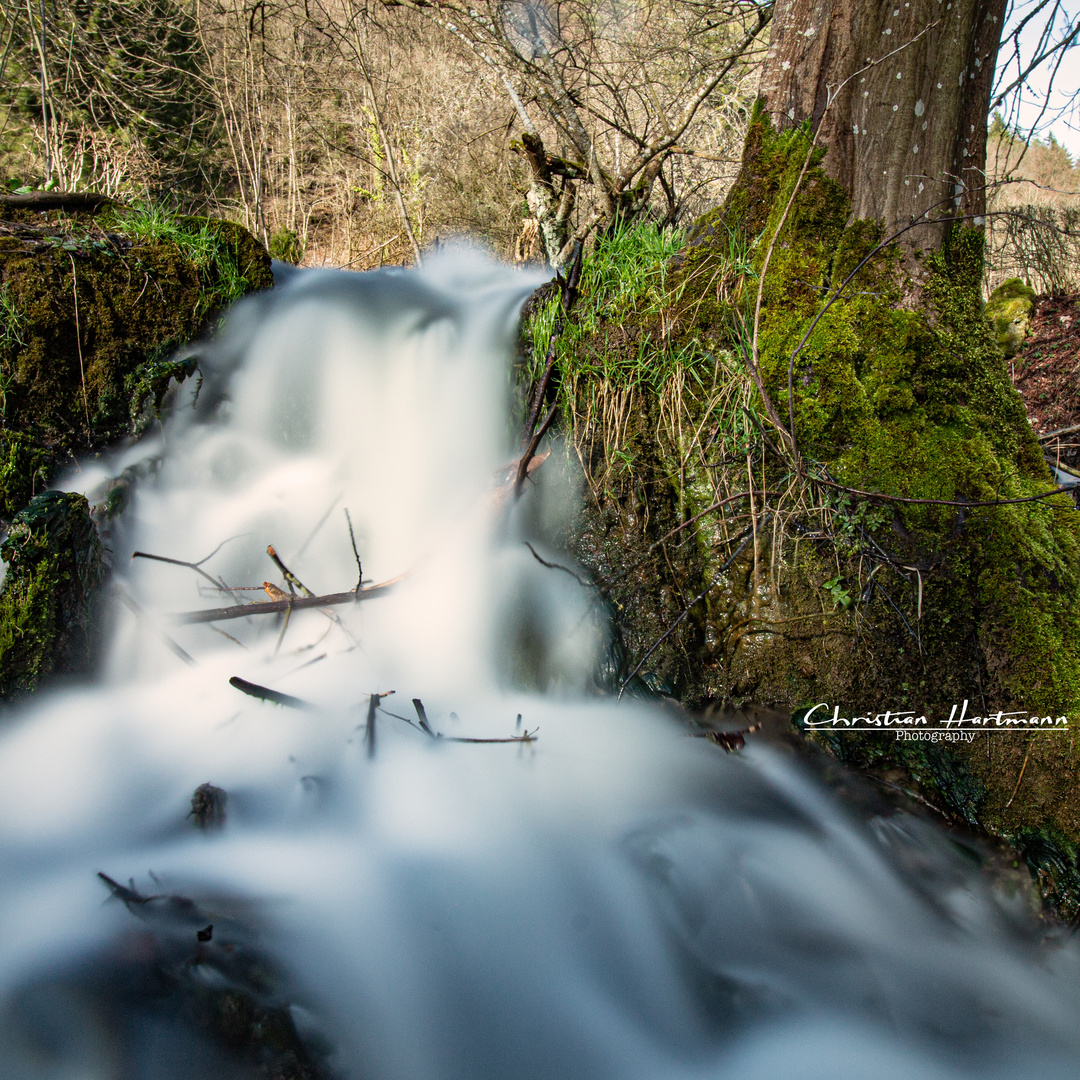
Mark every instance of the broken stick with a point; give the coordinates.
(240, 611)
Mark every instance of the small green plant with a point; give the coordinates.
(624, 278)
(838, 593)
(12, 322)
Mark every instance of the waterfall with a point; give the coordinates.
(597, 895)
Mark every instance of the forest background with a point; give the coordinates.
(357, 133)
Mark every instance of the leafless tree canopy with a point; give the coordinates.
(359, 131)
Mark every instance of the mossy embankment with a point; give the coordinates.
(91, 306)
(94, 301)
(890, 369)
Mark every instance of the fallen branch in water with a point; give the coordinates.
(240, 611)
(527, 458)
(141, 615)
(527, 737)
(122, 892)
(426, 728)
(264, 693)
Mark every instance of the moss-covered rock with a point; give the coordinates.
(55, 568)
(1009, 309)
(91, 306)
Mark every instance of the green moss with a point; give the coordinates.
(24, 471)
(1009, 309)
(145, 388)
(55, 569)
(285, 245)
(89, 303)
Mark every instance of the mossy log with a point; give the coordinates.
(901, 389)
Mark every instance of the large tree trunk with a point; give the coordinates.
(899, 93)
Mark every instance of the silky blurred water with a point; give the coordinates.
(610, 899)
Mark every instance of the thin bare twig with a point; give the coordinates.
(359, 564)
(1031, 739)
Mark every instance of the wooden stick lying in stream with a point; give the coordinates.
(240, 611)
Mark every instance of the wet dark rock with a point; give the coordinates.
(208, 806)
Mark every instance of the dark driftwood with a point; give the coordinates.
(55, 200)
(264, 693)
(240, 611)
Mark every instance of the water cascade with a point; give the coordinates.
(606, 897)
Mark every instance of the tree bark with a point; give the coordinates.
(898, 93)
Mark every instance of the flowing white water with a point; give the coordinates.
(613, 899)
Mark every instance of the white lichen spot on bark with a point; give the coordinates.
(920, 108)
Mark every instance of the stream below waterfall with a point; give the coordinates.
(605, 898)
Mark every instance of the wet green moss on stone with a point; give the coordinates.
(902, 388)
(92, 308)
(918, 403)
(24, 471)
(55, 568)
(1009, 309)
